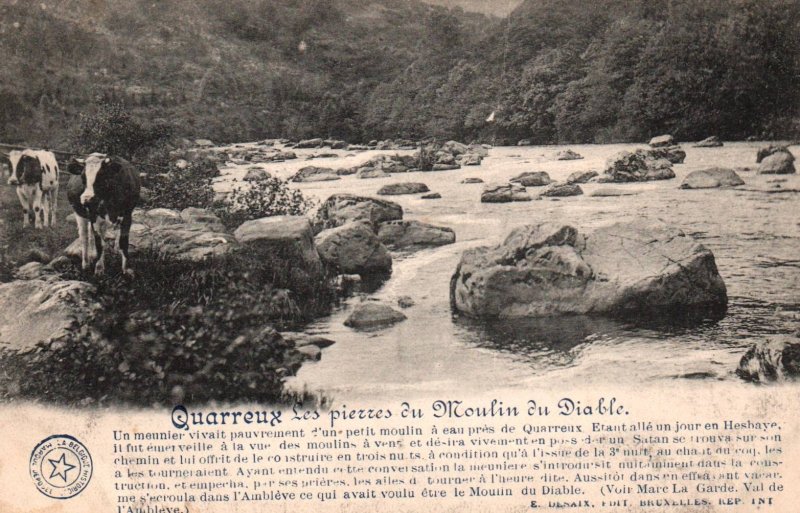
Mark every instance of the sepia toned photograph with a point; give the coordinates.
(250, 205)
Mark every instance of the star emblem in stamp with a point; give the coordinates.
(60, 466)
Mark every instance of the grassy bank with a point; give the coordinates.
(178, 332)
(20, 245)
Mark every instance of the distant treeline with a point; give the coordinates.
(553, 71)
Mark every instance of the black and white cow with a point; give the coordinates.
(35, 174)
(104, 191)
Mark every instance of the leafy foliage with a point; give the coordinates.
(113, 130)
(181, 188)
(206, 337)
(261, 198)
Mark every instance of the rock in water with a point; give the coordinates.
(581, 176)
(315, 174)
(353, 248)
(768, 150)
(532, 179)
(772, 360)
(373, 315)
(33, 311)
(711, 178)
(432, 195)
(472, 180)
(674, 154)
(568, 155)
(625, 269)
(559, 190)
(780, 162)
(504, 193)
(255, 174)
(394, 189)
(404, 234)
(662, 141)
(288, 237)
(637, 166)
(310, 143)
(709, 142)
(342, 208)
(371, 172)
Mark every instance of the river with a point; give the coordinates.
(754, 235)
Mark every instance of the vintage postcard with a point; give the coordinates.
(399, 255)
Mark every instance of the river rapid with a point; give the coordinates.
(753, 232)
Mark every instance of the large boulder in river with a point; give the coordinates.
(353, 248)
(532, 179)
(709, 142)
(395, 189)
(662, 141)
(637, 166)
(33, 311)
(777, 163)
(406, 234)
(287, 237)
(342, 208)
(315, 174)
(373, 315)
(712, 178)
(624, 269)
(771, 360)
(504, 193)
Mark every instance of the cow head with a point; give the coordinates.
(97, 170)
(13, 157)
(28, 170)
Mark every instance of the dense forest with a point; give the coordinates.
(552, 71)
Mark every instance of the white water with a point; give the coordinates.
(755, 238)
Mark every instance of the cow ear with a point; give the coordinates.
(76, 166)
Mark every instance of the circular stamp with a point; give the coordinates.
(60, 466)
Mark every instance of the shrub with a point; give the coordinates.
(262, 198)
(181, 188)
(113, 130)
(209, 336)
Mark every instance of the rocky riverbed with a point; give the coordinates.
(751, 229)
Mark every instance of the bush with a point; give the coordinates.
(181, 188)
(113, 130)
(209, 336)
(262, 198)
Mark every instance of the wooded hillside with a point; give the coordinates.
(554, 71)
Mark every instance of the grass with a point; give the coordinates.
(19, 245)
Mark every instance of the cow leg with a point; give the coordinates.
(83, 236)
(54, 204)
(45, 205)
(122, 242)
(24, 201)
(99, 231)
(37, 207)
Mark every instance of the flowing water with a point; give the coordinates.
(753, 232)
